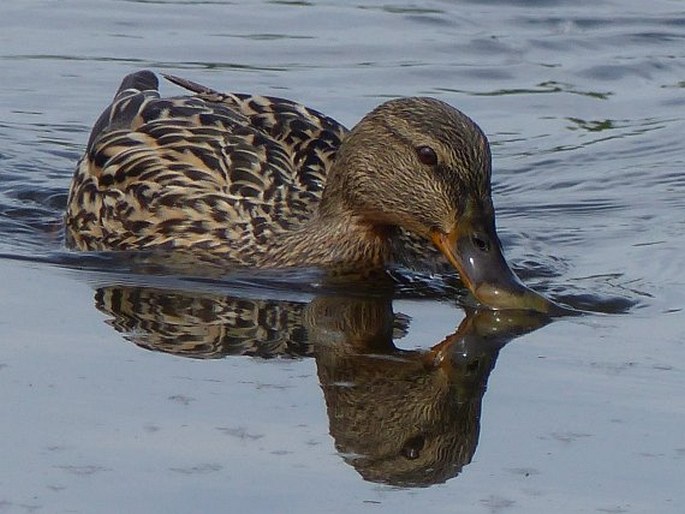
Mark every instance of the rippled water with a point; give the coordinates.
(264, 391)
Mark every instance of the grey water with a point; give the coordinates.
(129, 389)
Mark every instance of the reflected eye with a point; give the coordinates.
(427, 155)
(412, 447)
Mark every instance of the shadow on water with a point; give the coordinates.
(408, 418)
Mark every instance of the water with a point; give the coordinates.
(255, 394)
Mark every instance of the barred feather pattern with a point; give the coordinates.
(219, 176)
(216, 173)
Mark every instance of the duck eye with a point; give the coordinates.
(480, 242)
(427, 155)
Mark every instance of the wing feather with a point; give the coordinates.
(211, 171)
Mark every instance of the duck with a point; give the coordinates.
(264, 182)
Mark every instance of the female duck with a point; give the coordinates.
(266, 182)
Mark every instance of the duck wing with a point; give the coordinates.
(215, 171)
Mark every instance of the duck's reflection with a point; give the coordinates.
(408, 418)
(204, 325)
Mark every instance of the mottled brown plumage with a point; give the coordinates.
(243, 180)
(267, 182)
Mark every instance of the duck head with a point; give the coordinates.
(420, 164)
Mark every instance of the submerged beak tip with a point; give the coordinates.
(488, 276)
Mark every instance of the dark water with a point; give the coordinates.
(266, 392)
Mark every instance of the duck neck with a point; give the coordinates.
(333, 239)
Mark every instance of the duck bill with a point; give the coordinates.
(474, 249)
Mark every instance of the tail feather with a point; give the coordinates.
(191, 86)
(126, 104)
(143, 80)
